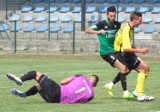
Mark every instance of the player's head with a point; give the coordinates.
(136, 18)
(94, 80)
(111, 13)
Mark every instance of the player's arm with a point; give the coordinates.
(66, 81)
(92, 31)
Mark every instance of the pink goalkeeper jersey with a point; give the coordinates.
(79, 90)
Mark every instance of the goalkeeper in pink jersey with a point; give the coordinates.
(75, 89)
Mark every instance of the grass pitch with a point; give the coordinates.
(61, 66)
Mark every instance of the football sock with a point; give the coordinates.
(30, 75)
(140, 83)
(117, 78)
(123, 81)
(32, 91)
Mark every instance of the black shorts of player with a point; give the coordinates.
(128, 59)
(50, 90)
(110, 58)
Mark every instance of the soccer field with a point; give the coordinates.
(61, 66)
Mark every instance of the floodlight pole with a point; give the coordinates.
(83, 15)
(49, 23)
(6, 9)
(15, 37)
(117, 9)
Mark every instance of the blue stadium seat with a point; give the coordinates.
(66, 19)
(64, 9)
(155, 10)
(93, 19)
(18, 28)
(54, 18)
(137, 29)
(119, 8)
(143, 9)
(49, 1)
(62, 1)
(75, 1)
(157, 19)
(126, 1)
(104, 17)
(26, 8)
(130, 9)
(27, 18)
(139, 1)
(68, 28)
(42, 28)
(159, 31)
(3, 27)
(77, 9)
(55, 29)
(103, 9)
(29, 28)
(36, 1)
(147, 19)
(89, 1)
(121, 19)
(52, 9)
(100, 1)
(112, 1)
(39, 9)
(40, 18)
(14, 17)
(152, 1)
(149, 29)
(90, 9)
(78, 19)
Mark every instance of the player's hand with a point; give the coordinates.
(101, 32)
(144, 50)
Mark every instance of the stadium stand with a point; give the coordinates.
(130, 9)
(64, 9)
(78, 19)
(89, 1)
(39, 9)
(55, 29)
(75, 1)
(27, 18)
(68, 28)
(14, 17)
(102, 9)
(157, 20)
(112, 1)
(149, 29)
(54, 19)
(40, 18)
(90, 9)
(29, 28)
(42, 28)
(138, 29)
(66, 19)
(26, 8)
(139, 1)
(77, 9)
(119, 9)
(155, 10)
(126, 1)
(100, 1)
(147, 19)
(62, 1)
(121, 19)
(49, 1)
(152, 1)
(36, 1)
(52, 9)
(16, 28)
(4, 27)
(93, 19)
(144, 9)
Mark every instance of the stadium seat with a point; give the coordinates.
(157, 19)
(42, 28)
(104, 17)
(143, 9)
(38, 9)
(14, 17)
(112, 1)
(29, 28)
(16, 28)
(121, 19)
(68, 28)
(62, 1)
(54, 18)
(149, 29)
(159, 31)
(152, 1)
(26, 8)
(155, 10)
(64, 9)
(75, 1)
(90, 9)
(147, 19)
(52, 9)
(93, 19)
(119, 8)
(3, 27)
(139, 1)
(78, 19)
(77, 9)
(130, 9)
(27, 18)
(36, 1)
(49, 1)
(66, 19)
(55, 29)
(103, 9)
(138, 29)
(126, 1)
(100, 1)
(89, 1)
(40, 18)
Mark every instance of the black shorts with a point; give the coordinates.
(128, 59)
(50, 90)
(110, 58)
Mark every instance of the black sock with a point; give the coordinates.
(123, 80)
(32, 91)
(30, 75)
(117, 78)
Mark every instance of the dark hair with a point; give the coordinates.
(96, 79)
(111, 9)
(135, 15)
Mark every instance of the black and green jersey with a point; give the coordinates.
(106, 41)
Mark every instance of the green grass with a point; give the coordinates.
(61, 66)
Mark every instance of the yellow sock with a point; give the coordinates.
(140, 83)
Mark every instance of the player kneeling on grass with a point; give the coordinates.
(75, 89)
